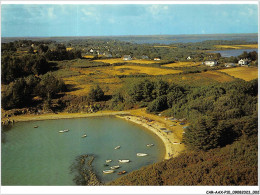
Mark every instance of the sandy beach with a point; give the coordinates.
(154, 123)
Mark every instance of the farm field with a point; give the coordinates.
(245, 73)
(182, 64)
(120, 60)
(250, 46)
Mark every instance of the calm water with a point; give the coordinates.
(233, 52)
(42, 156)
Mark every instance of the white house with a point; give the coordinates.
(91, 50)
(127, 57)
(188, 58)
(156, 59)
(230, 64)
(211, 63)
(243, 62)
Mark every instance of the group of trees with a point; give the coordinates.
(60, 53)
(218, 114)
(14, 67)
(20, 93)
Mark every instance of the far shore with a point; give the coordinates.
(172, 141)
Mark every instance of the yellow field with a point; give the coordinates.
(69, 48)
(167, 46)
(120, 60)
(250, 46)
(88, 56)
(245, 73)
(182, 64)
(128, 70)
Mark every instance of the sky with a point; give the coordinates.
(46, 20)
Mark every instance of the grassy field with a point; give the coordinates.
(251, 46)
(245, 73)
(120, 60)
(88, 56)
(199, 79)
(182, 64)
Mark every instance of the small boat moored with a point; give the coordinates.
(124, 161)
(107, 161)
(85, 135)
(141, 154)
(36, 126)
(149, 145)
(115, 167)
(108, 171)
(122, 172)
(117, 147)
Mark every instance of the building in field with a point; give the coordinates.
(211, 63)
(243, 62)
(157, 59)
(188, 58)
(127, 57)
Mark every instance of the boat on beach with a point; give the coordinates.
(121, 172)
(85, 135)
(107, 161)
(124, 161)
(108, 171)
(115, 167)
(141, 154)
(117, 147)
(149, 145)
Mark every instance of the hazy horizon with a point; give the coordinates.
(135, 35)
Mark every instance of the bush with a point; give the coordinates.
(96, 94)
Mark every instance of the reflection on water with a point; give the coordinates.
(43, 156)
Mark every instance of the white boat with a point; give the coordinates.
(141, 154)
(149, 145)
(66, 130)
(115, 167)
(108, 171)
(124, 161)
(84, 136)
(117, 147)
(107, 161)
(63, 131)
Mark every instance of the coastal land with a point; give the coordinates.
(156, 124)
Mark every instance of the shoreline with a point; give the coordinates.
(170, 140)
(171, 149)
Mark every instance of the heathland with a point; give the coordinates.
(208, 113)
